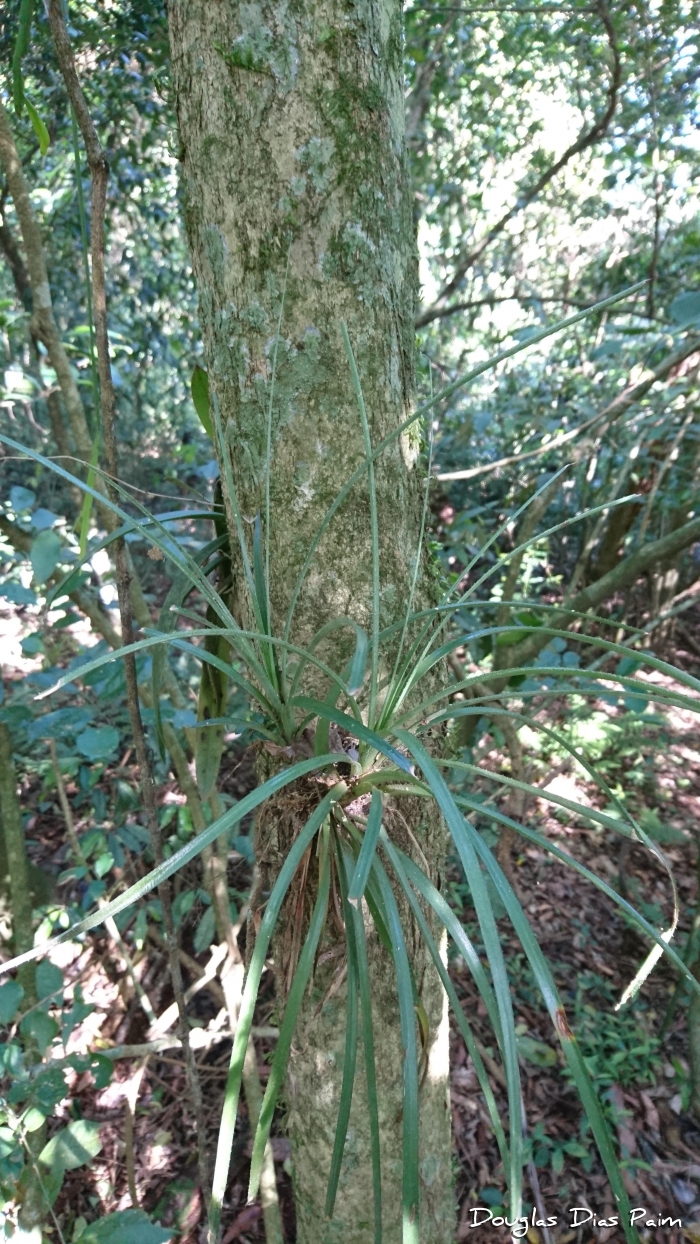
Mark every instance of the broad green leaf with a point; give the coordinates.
(17, 594)
(32, 644)
(45, 554)
(685, 308)
(73, 1146)
(191, 849)
(199, 388)
(536, 1052)
(21, 499)
(103, 863)
(49, 982)
(97, 743)
(205, 931)
(11, 994)
(42, 519)
(33, 1119)
(129, 1226)
(38, 126)
(41, 1027)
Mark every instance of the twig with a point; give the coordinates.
(201, 1041)
(614, 410)
(597, 131)
(232, 973)
(32, 1193)
(535, 1183)
(129, 1118)
(43, 322)
(99, 171)
(110, 923)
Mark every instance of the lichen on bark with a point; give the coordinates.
(298, 213)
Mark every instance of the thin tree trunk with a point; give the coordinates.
(33, 1207)
(296, 192)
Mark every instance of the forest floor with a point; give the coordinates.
(641, 1076)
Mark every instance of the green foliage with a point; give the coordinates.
(389, 755)
(75, 1145)
(617, 1046)
(129, 1226)
(492, 81)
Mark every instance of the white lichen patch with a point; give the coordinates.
(315, 157)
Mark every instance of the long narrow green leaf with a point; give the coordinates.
(86, 510)
(416, 668)
(259, 575)
(289, 1021)
(398, 860)
(571, 862)
(153, 530)
(419, 552)
(596, 777)
(420, 413)
(483, 677)
(63, 585)
(186, 853)
(495, 603)
(249, 578)
(250, 993)
(404, 984)
(350, 1054)
(358, 927)
(373, 523)
(464, 945)
(373, 897)
(26, 12)
(367, 851)
(457, 825)
(567, 1040)
(167, 620)
(268, 446)
(357, 665)
(357, 728)
(464, 801)
(176, 641)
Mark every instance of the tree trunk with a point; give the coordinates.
(296, 191)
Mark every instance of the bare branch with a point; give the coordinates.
(623, 575)
(616, 408)
(597, 131)
(43, 323)
(15, 261)
(418, 101)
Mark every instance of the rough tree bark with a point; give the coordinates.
(291, 124)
